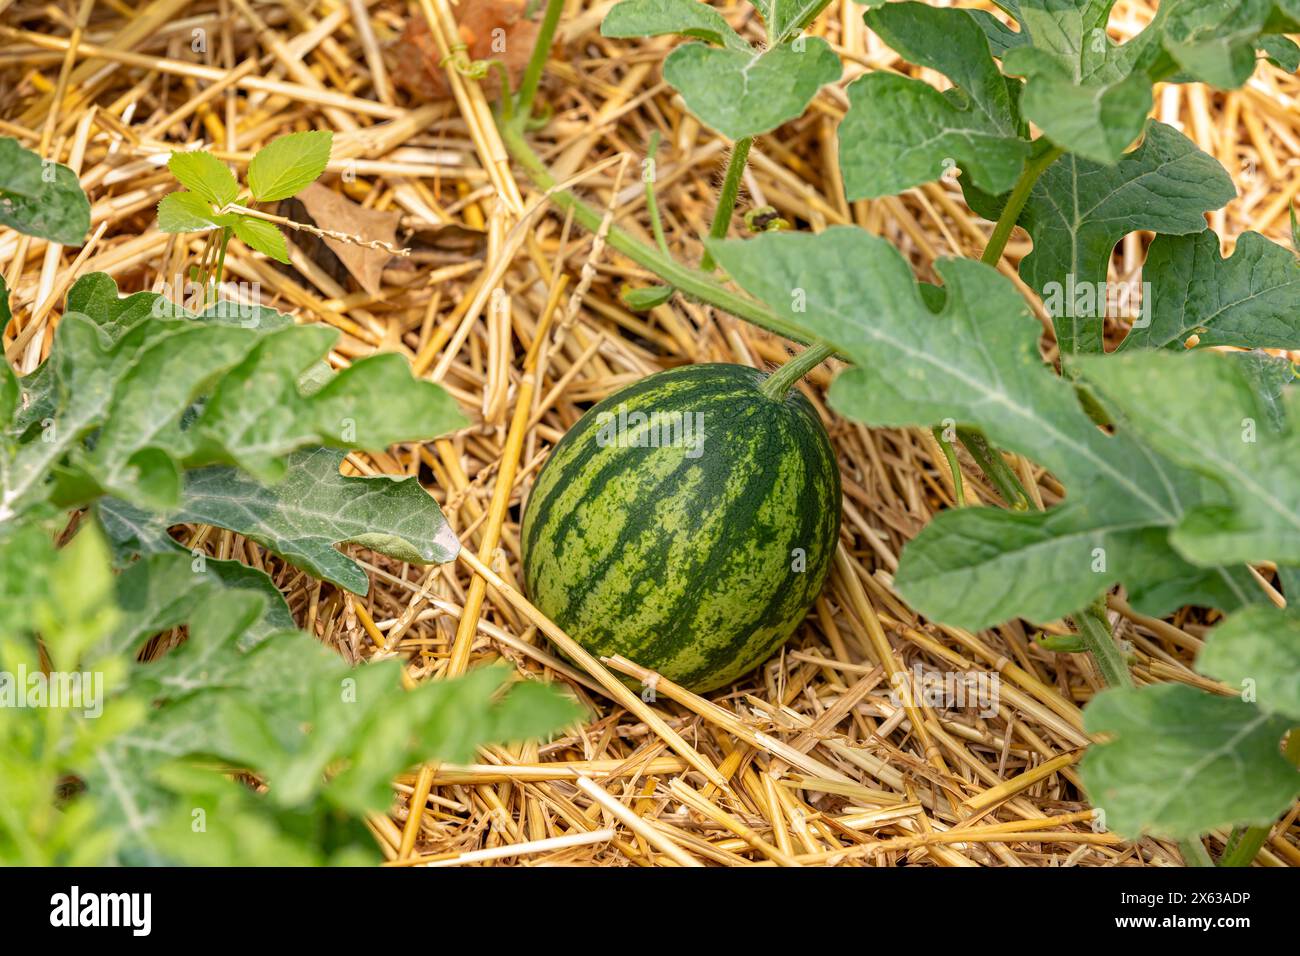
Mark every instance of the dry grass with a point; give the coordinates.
(808, 760)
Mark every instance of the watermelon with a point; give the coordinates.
(687, 523)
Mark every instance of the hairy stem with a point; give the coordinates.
(783, 379)
(727, 197)
(690, 281)
(1016, 203)
(1194, 852)
(537, 61)
(220, 272)
(1094, 631)
(1244, 843)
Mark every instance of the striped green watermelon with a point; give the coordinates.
(686, 522)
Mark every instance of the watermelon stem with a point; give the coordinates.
(783, 379)
(726, 207)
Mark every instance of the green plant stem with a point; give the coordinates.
(995, 468)
(1016, 203)
(220, 272)
(1244, 843)
(690, 281)
(1194, 852)
(1094, 631)
(958, 487)
(727, 197)
(537, 61)
(783, 379)
(651, 202)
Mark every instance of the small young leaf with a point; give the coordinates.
(744, 94)
(287, 164)
(1257, 650)
(1281, 51)
(1079, 210)
(41, 199)
(1184, 761)
(185, 212)
(650, 18)
(1250, 299)
(263, 236)
(203, 173)
(646, 298)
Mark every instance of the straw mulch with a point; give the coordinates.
(820, 765)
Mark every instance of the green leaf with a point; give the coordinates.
(9, 391)
(263, 236)
(1079, 210)
(1096, 122)
(900, 132)
(977, 363)
(1249, 300)
(1184, 762)
(1281, 51)
(650, 18)
(646, 298)
(1092, 95)
(314, 508)
(1268, 375)
(258, 412)
(1214, 41)
(785, 18)
(1257, 650)
(1084, 91)
(1000, 36)
(41, 199)
(185, 212)
(288, 164)
(744, 94)
(204, 174)
(1204, 412)
(133, 368)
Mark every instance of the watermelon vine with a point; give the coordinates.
(1178, 454)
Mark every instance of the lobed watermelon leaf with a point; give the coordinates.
(1203, 411)
(1247, 300)
(304, 516)
(977, 363)
(1184, 761)
(900, 132)
(1078, 210)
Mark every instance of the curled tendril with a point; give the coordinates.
(459, 60)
